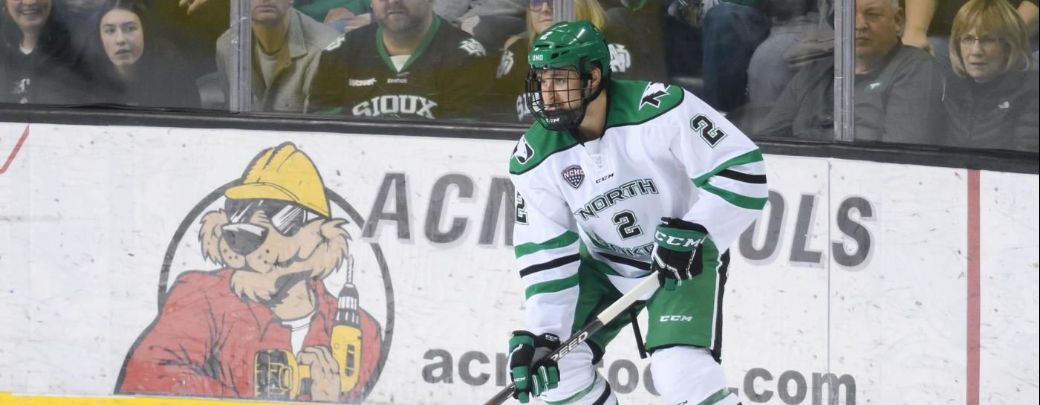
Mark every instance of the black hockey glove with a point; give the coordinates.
(531, 371)
(677, 251)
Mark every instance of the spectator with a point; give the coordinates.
(634, 33)
(994, 102)
(286, 48)
(79, 17)
(132, 66)
(928, 26)
(732, 31)
(193, 26)
(768, 70)
(897, 93)
(1031, 15)
(492, 22)
(410, 64)
(681, 27)
(43, 66)
(341, 15)
(512, 67)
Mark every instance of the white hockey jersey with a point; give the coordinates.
(665, 153)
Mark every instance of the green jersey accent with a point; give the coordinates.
(750, 157)
(741, 201)
(564, 239)
(716, 397)
(588, 260)
(426, 39)
(551, 286)
(537, 144)
(634, 102)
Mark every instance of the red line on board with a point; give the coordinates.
(974, 291)
(14, 152)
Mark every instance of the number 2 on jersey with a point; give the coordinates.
(626, 224)
(707, 130)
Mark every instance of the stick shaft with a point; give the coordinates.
(648, 284)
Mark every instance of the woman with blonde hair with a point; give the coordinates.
(993, 104)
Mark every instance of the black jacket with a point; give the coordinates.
(901, 101)
(158, 81)
(1001, 114)
(53, 73)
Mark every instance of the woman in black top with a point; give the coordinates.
(993, 104)
(133, 66)
(40, 63)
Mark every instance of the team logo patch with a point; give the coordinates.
(361, 82)
(574, 175)
(472, 47)
(335, 44)
(620, 58)
(505, 65)
(652, 94)
(523, 152)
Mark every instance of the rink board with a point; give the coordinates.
(880, 283)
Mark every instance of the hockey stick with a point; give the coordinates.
(649, 283)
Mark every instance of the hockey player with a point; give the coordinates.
(410, 64)
(620, 180)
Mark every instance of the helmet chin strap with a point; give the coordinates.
(585, 101)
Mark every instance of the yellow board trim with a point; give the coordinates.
(19, 399)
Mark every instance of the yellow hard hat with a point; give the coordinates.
(283, 173)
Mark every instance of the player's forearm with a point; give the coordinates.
(919, 15)
(1030, 14)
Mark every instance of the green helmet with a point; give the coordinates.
(576, 45)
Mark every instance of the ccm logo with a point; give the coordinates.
(676, 318)
(570, 346)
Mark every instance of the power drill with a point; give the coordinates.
(277, 373)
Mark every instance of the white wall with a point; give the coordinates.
(86, 214)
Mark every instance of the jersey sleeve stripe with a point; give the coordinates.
(742, 201)
(749, 157)
(551, 286)
(743, 177)
(564, 239)
(548, 265)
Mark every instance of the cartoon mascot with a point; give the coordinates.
(263, 326)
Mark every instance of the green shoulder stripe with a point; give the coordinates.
(562, 240)
(715, 398)
(537, 144)
(551, 286)
(634, 102)
(750, 157)
(740, 200)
